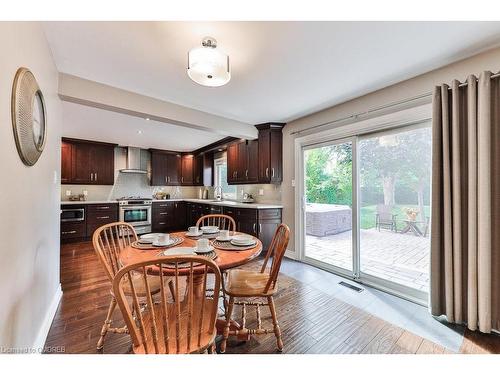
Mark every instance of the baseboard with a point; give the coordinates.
(47, 322)
(291, 254)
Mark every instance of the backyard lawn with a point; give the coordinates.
(367, 219)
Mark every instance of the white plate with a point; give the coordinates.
(207, 250)
(250, 243)
(243, 238)
(160, 244)
(180, 251)
(212, 228)
(187, 234)
(148, 238)
(223, 239)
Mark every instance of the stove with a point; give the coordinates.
(137, 212)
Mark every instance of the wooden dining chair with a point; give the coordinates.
(179, 323)
(108, 241)
(219, 220)
(256, 285)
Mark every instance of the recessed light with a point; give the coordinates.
(139, 132)
(220, 149)
(147, 118)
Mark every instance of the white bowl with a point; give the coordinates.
(160, 244)
(209, 229)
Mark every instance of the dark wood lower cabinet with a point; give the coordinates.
(169, 216)
(95, 215)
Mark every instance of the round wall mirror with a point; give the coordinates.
(28, 116)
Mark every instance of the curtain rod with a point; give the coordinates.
(379, 108)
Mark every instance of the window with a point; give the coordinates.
(220, 175)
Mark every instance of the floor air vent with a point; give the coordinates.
(347, 285)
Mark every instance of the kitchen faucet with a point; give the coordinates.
(218, 193)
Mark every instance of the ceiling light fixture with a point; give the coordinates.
(207, 65)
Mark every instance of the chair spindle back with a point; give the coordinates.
(219, 220)
(108, 241)
(276, 250)
(181, 321)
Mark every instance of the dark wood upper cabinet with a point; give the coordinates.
(232, 163)
(87, 162)
(66, 149)
(158, 168)
(187, 169)
(199, 162)
(270, 152)
(242, 162)
(166, 168)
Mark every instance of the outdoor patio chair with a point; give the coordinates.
(385, 218)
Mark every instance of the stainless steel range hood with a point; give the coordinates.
(133, 161)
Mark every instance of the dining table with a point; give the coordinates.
(225, 259)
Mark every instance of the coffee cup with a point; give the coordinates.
(224, 234)
(163, 238)
(193, 231)
(202, 244)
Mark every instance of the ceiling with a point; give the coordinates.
(280, 70)
(100, 125)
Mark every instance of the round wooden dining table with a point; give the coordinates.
(225, 259)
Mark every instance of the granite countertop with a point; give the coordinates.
(192, 200)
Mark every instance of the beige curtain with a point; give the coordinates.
(465, 235)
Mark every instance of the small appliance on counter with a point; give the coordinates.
(247, 198)
(76, 197)
(161, 195)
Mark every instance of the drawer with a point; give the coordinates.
(102, 208)
(270, 213)
(247, 213)
(215, 209)
(72, 230)
(229, 211)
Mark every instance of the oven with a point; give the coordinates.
(136, 213)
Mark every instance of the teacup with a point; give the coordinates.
(224, 234)
(163, 238)
(194, 231)
(202, 244)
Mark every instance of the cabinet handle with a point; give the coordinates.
(91, 177)
(246, 173)
(163, 205)
(95, 175)
(162, 223)
(260, 228)
(168, 178)
(163, 213)
(267, 172)
(69, 232)
(272, 172)
(254, 227)
(182, 179)
(102, 208)
(102, 217)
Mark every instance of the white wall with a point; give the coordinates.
(424, 83)
(29, 198)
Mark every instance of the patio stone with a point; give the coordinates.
(402, 258)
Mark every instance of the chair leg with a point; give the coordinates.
(277, 330)
(225, 335)
(172, 290)
(107, 323)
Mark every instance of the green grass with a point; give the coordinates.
(367, 219)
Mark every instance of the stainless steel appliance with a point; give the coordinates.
(137, 212)
(72, 214)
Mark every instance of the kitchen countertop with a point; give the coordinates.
(225, 203)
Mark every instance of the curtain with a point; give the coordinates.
(465, 227)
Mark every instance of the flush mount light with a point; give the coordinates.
(207, 65)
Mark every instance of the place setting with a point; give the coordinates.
(236, 242)
(202, 248)
(152, 241)
(208, 231)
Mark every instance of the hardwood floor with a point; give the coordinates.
(311, 321)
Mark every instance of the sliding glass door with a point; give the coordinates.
(329, 220)
(366, 211)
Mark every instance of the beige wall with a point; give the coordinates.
(29, 198)
(422, 84)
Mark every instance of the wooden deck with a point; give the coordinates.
(312, 321)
